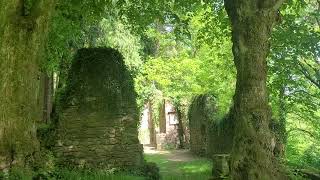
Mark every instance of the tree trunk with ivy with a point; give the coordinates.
(23, 31)
(180, 127)
(48, 96)
(151, 126)
(282, 133)
(252, 155)
(162, 117)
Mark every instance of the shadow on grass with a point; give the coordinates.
(75, 175)
(197, 169)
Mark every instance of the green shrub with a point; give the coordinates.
(18, 173)
(151, 171)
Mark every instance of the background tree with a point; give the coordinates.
(292, 79)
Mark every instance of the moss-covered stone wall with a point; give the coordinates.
(98, 113)
(220, 136)
(201, 114)
(22, 41)
(209, 136)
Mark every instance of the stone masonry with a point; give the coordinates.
(201, 114)
(98, 113)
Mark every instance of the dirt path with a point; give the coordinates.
(179, 164)
(174, 155)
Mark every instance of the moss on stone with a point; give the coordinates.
(208, 134)
(99, 115)
(201, 113)
(220, 136)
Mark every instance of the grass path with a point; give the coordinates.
(179, 164)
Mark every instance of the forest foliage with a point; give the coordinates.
(178, 49)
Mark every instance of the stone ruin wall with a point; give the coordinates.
(208, 136)
(220, 137)
(99, 115)
(199, 119)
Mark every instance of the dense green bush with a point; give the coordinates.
(151, 171)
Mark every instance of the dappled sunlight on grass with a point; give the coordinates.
(195, 169)
(158, 159)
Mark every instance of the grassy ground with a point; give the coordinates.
(174, 165)
(97, 176)
(172, 168)
(73, 175)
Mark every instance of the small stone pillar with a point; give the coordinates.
(161, 138)
(221, 168)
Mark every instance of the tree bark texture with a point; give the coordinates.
(48, 94)
(282, 114)
(162, 117)
(282, 132)
(22, 42)
(180, 128)
(252, 154)
(151, 126)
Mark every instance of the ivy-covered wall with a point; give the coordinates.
(201, 114)
(22, 41)
(98, 113)
(220, 136)
(208, 134)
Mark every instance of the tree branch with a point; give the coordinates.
(304, 71)
(301, 91)
(302, 130)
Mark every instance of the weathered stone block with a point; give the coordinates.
(99, 116)
(161, 141)
(221, 168)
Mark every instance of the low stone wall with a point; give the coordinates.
(98, 120)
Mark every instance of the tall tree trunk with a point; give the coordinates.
(162, 117)
(282, 114)
(252, 22)
(180, 128)
(152, 131)
(23, 34)
(48, 93)
(282, 133)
